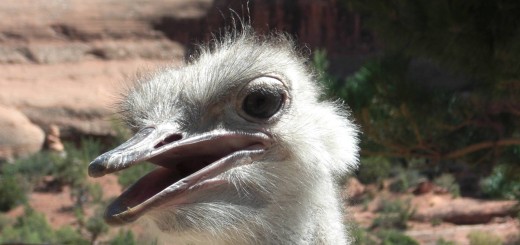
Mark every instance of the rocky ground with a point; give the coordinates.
(435, 214)
(63, 63)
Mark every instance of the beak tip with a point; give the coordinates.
(117, 213)
(95, 169)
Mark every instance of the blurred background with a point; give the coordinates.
(434, 86)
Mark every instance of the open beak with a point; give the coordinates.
(187, 164)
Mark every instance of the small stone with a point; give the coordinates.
(53, 139)
(18, 137)
(354, 188)
(424, 187)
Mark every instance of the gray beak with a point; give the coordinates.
(187, 164)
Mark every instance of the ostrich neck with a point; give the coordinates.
(317, 219)
(300, 220)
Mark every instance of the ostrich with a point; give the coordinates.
(246, 151)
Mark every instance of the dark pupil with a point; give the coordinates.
(262, 104)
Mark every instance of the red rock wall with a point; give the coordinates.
(317, 23)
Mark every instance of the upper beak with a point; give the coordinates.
(163, 145)
(141, 147)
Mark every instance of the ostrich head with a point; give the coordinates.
(246, 152)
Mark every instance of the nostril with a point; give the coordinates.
(168, 140)
(172, 138)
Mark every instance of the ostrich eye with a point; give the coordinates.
(262, 103)
(262, 98)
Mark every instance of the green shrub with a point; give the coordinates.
(405, 179)
(502, 183)
(444, 242)
(448, 182)
(483, 238)
(374, 170)
(403, 99)
(123, 238)
(32, 227)
(72, 170)
(95, 192)
(4, 221)
(394, 237)
(360, 236)
(393, 215)
(96, 226)
(67, 235)
(67, 170)
(12, 193)
(321, 65)
(29, 228)
(32, 168)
